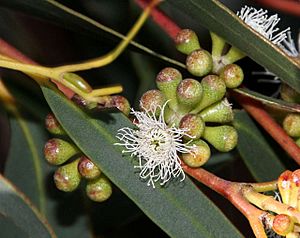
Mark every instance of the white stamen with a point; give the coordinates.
(156, 145)
(288, 46)
(263, 24)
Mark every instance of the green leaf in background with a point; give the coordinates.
(28, 170)
(181, 210)
(254, 149)
(216, 17)
(18, 216)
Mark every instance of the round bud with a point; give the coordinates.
(99, 189)
(298, 142)
(87, 168)
(189, 93)
(232, 75)
(200, 153)
(283, 224)
(199, 63)
(121, 103)
(152, 100)
(291, 124)
(58, 151)
(77, 82)
(53, 126)
(288, 94)
(67, 177)
(223, 138)
(167, 81)
(194, 126)
(214, 90)
(220, 112)
(187, 41)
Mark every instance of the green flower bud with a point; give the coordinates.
(121, 103)
(199, 63)
(99, 189)
(223, 138)
(214, 90)
(167, 81)
(83, 103)
(283, 224)
(187, 41)
(77, 82)
(58, 151)
(194, 126)
(291, 124)
(53, 126)
(189, 94)
(87, 168)
(152, 99)
(220, 112)
(288, 94)
(232, 75)
(67, 177)
(199, 154)
(298, 142)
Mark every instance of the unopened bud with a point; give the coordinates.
(214, 90)
(232, 75)
(58, 151)
(187, 41)
(284, 186)
(223, 138)
(83, 103)
(99, 189)
(283, 224)
(291, 124)
(220, 112)
(194, 126)
(288, 94)
(77, 82)
(167, 81)
(152, 100)
(200, 153)
(199, 63)
(121, 103)
(53, 126)
(189, 94)
(88, 169)
(67, 177)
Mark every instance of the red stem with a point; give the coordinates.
(289, 6)
(170, 27)
(255, 109)
(11, 52)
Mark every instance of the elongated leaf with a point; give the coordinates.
(181, 210)
(19, 215)
(216, 17)
(257, 154)
(27, 169)
(269, 101)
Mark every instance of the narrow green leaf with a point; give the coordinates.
(269, 101)
(213, 15)
(179, 208)
(17, 212)
(254, 149)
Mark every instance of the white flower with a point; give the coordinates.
(156, 146)
(263, 24)
(289, 47)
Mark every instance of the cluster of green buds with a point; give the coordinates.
(197, 105)
(291, 122)
(73, 165)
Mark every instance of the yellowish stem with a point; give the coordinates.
(111, 56)
(264, 187)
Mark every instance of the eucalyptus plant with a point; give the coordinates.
(115, 131)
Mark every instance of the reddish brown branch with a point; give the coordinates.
(256, 110)
(170, 27)
(290, 6)
(11, 52)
